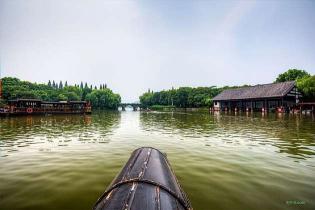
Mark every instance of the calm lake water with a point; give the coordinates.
(223, 161)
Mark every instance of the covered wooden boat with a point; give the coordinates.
(146, 182)
(35, 106)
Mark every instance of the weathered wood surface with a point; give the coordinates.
(146, 182)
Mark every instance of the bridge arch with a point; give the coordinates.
(135, 106)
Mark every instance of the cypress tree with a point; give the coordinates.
(60, 85)
(66, 84)
(49, 83)
(81, 85)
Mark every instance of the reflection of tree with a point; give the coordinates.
(15, 131)
(292, 134)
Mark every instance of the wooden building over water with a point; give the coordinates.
(280, 97)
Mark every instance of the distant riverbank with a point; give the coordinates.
(173, 108)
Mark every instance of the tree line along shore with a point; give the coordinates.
(104, 98)
(99, 97)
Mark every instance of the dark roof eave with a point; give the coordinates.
(266, 91)
(240, 99)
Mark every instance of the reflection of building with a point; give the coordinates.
(34, 106)
(269, 97)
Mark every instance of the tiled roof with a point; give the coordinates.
(257, 91)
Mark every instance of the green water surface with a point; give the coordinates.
(223, 161)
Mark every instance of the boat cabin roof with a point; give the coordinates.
(46, 102)
(26, 100)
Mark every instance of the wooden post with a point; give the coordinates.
(281, 101)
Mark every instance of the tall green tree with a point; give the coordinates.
(103, 99)
(60, 85)
(307, 86)
(146, 99)
(292, 75)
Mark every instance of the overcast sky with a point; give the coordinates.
(136, 45)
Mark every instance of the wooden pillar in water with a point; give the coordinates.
(266, 106)
(281, 101)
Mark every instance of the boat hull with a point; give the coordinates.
(145, 182)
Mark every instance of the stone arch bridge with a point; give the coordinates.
(135, 106)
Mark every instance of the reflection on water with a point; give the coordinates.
(24, 131)
(223, 161)
(292, 134)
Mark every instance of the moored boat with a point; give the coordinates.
(146, 182)
(35, 106)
